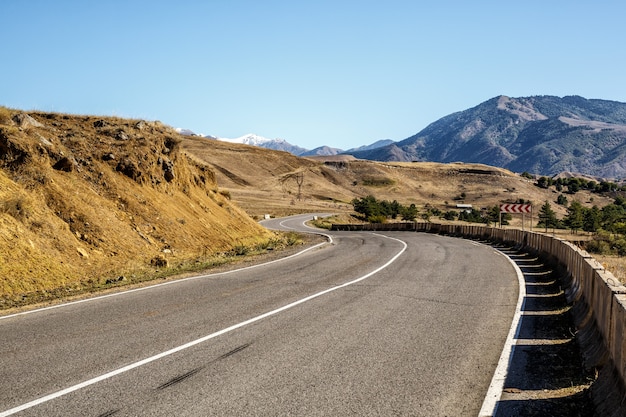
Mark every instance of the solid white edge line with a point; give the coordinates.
(177, 281)
(197, 341)
(494, 393)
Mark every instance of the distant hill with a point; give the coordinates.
(322, 151)
(375, 145)
(263, 181)
(253, 140)
(543, 135)
(260, 141)
(282, 145)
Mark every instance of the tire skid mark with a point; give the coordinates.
(180, 378)
(110, 413)
(235, 350)
(189, 374)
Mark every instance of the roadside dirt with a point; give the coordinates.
(547, 375)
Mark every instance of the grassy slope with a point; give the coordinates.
(261, 181)
(81, 204)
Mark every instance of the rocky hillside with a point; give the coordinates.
(542, 135)
(88, 200)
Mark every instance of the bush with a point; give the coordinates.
(601, 247)
(18, 206)
(240, 250)
(377, 182)
(619, 246)
(371, 208)
(377, 219)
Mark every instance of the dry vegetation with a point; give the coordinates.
(263, 181)
(87, 201)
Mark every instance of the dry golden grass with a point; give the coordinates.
(615, 264)
(263, 181)
(85, 200)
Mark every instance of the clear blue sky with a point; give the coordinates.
(337, 73)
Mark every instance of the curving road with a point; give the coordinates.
(403, 324)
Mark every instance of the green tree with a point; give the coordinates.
(493, 215)
(592, 219)
(613, 214)
(574, 186)
(409, 213)
(575, 218)
(367, 206)
(547, 217)
(472, 216)
(544, 182)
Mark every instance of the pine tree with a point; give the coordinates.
(575, 219)
(547, 217)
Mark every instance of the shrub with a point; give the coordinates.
(19, 206)
(371, 208)
(240, 250)
(598, 246)
(377, 219)
(377, 182)
(159, 261)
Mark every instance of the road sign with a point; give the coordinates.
(515, 208)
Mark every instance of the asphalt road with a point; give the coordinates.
(400, 324)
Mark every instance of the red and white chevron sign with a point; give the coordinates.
(515, 208)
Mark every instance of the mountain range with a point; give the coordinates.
(542, 135)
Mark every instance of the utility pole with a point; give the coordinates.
(299, 181)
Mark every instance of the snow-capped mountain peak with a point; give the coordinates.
(250, 139)
(186, 132)
(277, 144)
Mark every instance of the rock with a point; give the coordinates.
(159, 261)
(65, 164)
(100, 123)
(121, 135)
(114, 280)
(140, 125)
(24, 120)
(44, 141)
(108, 157)
(129, 168)
(82, 252)
(168, 170)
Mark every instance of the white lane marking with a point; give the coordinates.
(494, 393)
(305, 218)
(197, 341)
(100, 297)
